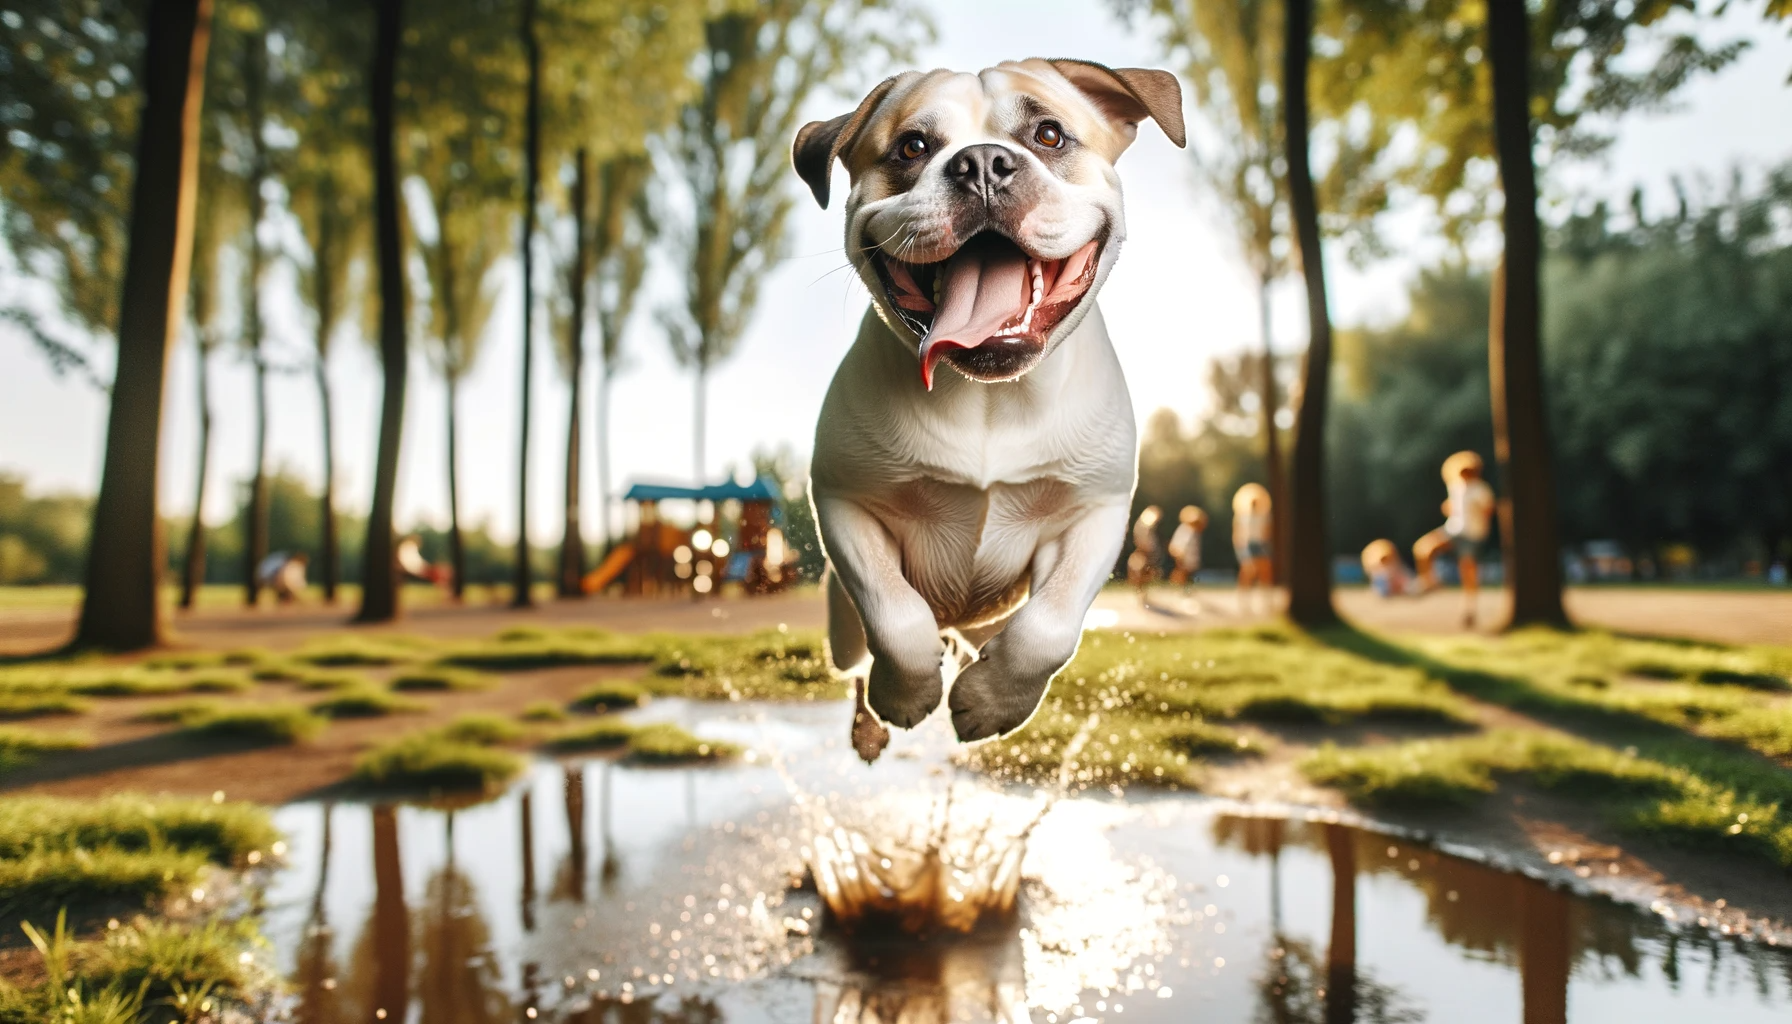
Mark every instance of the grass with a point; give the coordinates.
(309, 677)
(654, 743)
(1736, 695)
(363, 702)
(543, 711)
(611, 695)
(20, 747)
(181, 712)
(771, 665)
(120, 850)
(18, 706)
(1642, 795)
(1159, 705)
(141, 972)
(257, 723)
(486, 730)
(344, 651)
(442, 678)
(459, 757)
(665, 743)
(604, 734)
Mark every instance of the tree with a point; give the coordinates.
(1515, 342)
(328, 193)
(67, 133)
(241, 101)
(219, 220)
(469, 239)
(758, 66)
(1565, 71)
(624, 232)
(524, 579)
(120, 609)
(466, 165)
(379, 574)
(614, 73)
(1232, 59)
(1309, 558)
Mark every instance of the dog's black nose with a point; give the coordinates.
(983, 168)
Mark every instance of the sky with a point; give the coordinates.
(1178, 297)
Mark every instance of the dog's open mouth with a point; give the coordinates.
(990, 306)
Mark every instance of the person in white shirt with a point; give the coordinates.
(1147, 552)
(1252, 528)
(1467, 525)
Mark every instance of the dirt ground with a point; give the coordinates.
(1722, 616)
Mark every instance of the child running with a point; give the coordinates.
(1469, 520)
(1251, 530)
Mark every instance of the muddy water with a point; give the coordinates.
(596, 891)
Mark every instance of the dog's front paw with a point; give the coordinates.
(990, 700)
(900, 698)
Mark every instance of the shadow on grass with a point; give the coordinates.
(145, 752)
(1717, 760)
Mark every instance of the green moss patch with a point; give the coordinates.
(257, 723)
(363, 702)
(21, 746)
(442, 678)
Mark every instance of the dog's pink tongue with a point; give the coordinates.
(984, 288)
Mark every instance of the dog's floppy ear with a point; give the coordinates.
(819, 142)
(1130, 95)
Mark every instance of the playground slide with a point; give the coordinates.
(612, 567)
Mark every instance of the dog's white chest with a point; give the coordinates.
(966, 549)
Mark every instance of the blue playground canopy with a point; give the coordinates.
(762, 489)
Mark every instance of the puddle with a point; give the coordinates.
(602, 892)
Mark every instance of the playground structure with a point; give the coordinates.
(736, 538)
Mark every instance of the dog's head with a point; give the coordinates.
(985, 211)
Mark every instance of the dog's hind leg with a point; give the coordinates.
(846, 631)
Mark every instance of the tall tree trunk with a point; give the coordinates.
(1514, 347)
(379, 568)
(391, 918)
(194, 576)
(1340, 957)
(572, 546)
(1309, 560)
(1544, 951)
(699, 428)
(120, 607)
(1272, 447)
(328, 553)
(457, 558)
(523, 577)
(603, 457)
(324, 298)
(528, 830)
(255, 547)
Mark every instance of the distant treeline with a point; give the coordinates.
(1668, 347)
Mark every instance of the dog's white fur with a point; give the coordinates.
(993, 511)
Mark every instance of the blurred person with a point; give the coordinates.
(284, 574)
(1468, 520)
(1387, 573)
(1185, 545)
(1251, 530)
(1147, 552)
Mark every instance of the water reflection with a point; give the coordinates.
(643, 895)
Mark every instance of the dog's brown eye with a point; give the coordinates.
(1049, 135)
(912, 148)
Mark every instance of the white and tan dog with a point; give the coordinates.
(989, 502)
